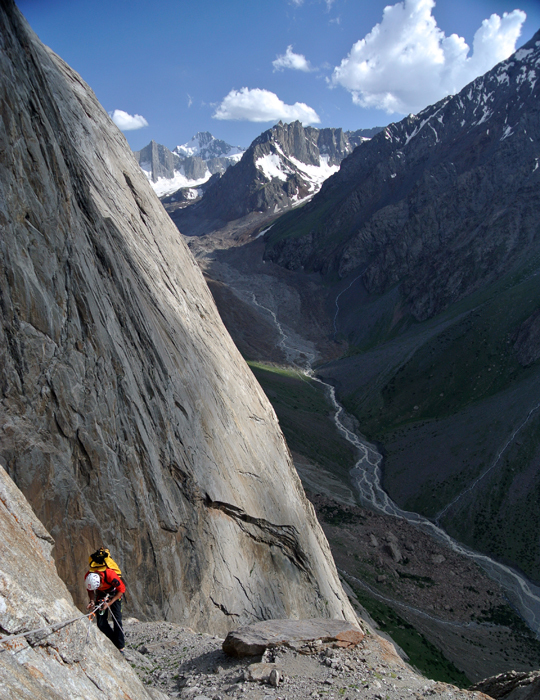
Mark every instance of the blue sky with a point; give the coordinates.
(225, 66)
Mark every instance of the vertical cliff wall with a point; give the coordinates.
(127, 416)
(76, 661)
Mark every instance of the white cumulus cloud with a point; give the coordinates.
(406, 62)
(263, 106)
(127, 122)
(294, 61)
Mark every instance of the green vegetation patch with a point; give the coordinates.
(505, 522)
(306, 417)
(423, 655)
(335, 515)
(297, 223)
(467, 361)
(504, 615)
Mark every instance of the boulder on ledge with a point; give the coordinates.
(253, 640)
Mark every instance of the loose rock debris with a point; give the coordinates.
(184, 664)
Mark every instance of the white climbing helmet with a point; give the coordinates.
(93, 582)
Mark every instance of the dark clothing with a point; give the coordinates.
(111, 585)
(116, 633)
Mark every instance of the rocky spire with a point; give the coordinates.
(127, 416)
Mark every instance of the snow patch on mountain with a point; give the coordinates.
(280, 166)
(204, 145)
(316, 174)
(272, 166)
(166, 186)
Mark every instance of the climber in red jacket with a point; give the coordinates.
(107, 587)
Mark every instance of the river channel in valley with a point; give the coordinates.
(366, 477)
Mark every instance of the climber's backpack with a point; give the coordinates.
(101, 560)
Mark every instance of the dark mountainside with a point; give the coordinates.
(127, 416)
(421, 204)
(246, 187)
(434, 224)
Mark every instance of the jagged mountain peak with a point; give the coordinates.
(206, 146)
(188, 167)
(282, 167)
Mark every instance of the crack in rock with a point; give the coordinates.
(282, 536)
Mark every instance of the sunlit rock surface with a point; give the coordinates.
(127, 416)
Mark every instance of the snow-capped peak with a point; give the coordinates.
(205, 146)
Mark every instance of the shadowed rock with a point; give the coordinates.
(512, 685)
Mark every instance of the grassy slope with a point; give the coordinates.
(305, 416)
(423, 655)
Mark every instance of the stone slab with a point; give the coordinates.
(253, 640)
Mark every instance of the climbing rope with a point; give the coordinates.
(51, 629)
(114, 618)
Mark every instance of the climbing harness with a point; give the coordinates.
(102, 611)
(51, 629)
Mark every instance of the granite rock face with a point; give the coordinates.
(158, 161)
(76, 660)
(127, 416)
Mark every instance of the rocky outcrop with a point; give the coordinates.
(253, 640)
(511, 686)
(45, 664)
(440, 203)
(127, 416)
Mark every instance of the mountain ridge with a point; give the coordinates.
(282, 167)
(380, 189)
